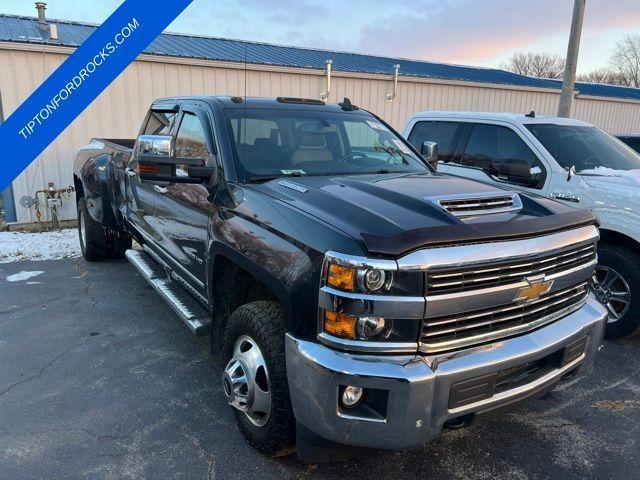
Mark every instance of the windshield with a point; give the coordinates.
(287, 142)
(586, 148)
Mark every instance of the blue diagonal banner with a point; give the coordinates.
(80, 79)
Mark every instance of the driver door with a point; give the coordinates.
(183, 209)
(141, 194)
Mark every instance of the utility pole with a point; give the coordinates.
(564, 110)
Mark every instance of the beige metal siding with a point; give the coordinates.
(118, 111)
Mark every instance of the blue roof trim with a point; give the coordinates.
(25, 29)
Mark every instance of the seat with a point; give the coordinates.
(312, 148)
(263, 155)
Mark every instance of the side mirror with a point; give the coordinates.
(156, 162)
(521, 172)
(161, 145)
(429, 151)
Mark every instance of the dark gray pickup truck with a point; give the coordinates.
(358, 296)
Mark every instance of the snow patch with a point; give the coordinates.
(20, 246)
(24, 275)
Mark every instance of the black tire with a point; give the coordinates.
(95, 244)
(263, 321)
(626, 263)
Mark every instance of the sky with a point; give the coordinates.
(482, 32)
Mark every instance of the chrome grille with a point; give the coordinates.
(453, 331)
(479, 204)
(462, 279)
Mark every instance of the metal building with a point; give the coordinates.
(185, 64)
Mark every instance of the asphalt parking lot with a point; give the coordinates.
(98, 379)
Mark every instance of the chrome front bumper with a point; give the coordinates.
(416, 390)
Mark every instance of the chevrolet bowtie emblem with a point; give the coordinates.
(537, 287)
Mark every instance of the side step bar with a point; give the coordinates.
(190, 311)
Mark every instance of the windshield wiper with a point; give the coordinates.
(268, 178)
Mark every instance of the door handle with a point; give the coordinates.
(131, 172)
(160, 189)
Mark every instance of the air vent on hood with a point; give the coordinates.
(479, 203)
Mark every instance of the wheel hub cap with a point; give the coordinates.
(245, 381)
(612, 291)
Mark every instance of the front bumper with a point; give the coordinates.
(414, 393)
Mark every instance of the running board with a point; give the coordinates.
(190, 311)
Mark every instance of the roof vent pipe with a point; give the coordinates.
(42, 19)
(324, 96)
(396, 72)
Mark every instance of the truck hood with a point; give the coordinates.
(608, 176)
(391, 214)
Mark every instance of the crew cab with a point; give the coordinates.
(358, 296)
(560, 158)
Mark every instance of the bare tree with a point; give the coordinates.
(535, 64)
(625, 59)
(603, 75)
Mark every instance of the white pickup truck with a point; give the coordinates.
(564, 159)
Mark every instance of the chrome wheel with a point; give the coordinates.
(612, 291)
(245, 381)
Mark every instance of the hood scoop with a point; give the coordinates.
(478, 203)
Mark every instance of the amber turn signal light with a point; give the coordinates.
(148, 168)
(342, 277)
(340, 325)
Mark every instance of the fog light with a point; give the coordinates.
(351, 396)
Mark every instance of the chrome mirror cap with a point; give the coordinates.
(155, 145)
(429, 151)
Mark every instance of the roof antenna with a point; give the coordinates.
(347, 105)
(531, 114)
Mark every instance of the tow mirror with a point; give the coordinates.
(156, 162)
(160, 145)
(429, 151)
(521, 172)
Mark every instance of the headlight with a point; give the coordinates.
(358, 279)
(374, 279)
(372, 329)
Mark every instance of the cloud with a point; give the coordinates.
(473, 31)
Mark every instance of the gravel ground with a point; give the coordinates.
(98, 379)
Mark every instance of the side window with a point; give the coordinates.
(159, 123)
(500, 152)
(443, 133)
(190, 141)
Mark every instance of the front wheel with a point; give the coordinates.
(616, 284)
(254, 380)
